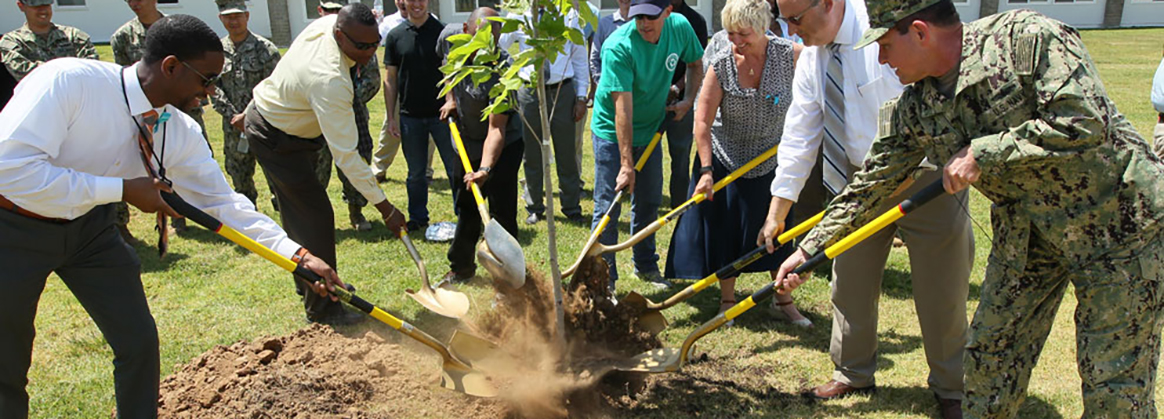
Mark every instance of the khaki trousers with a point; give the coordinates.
(387, 148)
(941, 253)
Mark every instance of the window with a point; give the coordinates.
(1049, 1)
(467, 6)
(312, 8)
(167, 1)
(67, 3)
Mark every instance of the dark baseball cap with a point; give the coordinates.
(647, 7)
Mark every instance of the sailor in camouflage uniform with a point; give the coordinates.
(40, 40)
(367, 81)
(250, 58)
(128, 44)
(1013, 104)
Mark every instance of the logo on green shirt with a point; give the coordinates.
(672, 61)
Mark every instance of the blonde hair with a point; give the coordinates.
(738, 14)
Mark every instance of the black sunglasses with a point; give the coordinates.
(795, 20)
(362, 45)
(649, 17)
(206, 81)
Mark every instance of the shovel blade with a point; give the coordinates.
(652, 321)
(654, 361)
(502, 256)
(442, 301)
(471, 382)
(472, 350)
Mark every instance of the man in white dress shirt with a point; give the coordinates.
(567, 84)
(837, 94)
(58, 182)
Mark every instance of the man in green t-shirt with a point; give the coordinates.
(638, 60)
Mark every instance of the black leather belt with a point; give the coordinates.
(559, 83)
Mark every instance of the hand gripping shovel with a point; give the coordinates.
(653, 321)
(445, 299)
(591, 249)
(458, 374)
(671, 359)
(500, 253)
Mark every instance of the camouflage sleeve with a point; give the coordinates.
(220, 103)
(120, 46)
(888, 163)
(15, 58)
(271, 61)
(87, 49)
(1070, 102)
(368, 84)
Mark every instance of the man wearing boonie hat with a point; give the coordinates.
(40, 40)
(1013, 105)
(250, 58)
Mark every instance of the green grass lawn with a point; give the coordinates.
(209, 292)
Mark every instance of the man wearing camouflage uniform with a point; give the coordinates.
(1013, 104)
(40, 40)
(128, 44)
(367, 80)
(250, 58)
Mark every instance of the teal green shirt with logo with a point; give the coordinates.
(631, 64)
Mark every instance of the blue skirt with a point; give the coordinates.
(716, 232)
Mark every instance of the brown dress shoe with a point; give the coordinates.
(835, 389)
(949, 408)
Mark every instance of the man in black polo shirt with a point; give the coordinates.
(680, 132)
(413, 71)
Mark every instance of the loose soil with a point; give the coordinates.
(317, 372)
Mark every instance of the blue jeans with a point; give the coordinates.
(679, 137)
(645, 200)
(414, 134)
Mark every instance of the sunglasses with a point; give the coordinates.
(362, 45)
(795, 20)
(206, 81)
(649, 17)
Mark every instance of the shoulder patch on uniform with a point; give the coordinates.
(1026, 53)
(885, 126)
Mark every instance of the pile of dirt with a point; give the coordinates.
(312, 373)
(319, 373)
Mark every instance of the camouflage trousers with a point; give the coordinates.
(1117, 328)
(121, 208)
(323, 170)
(239, 162)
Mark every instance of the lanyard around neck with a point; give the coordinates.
(161, 173)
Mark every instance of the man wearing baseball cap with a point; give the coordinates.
(40, 40)
(638, 61)
(1013, 105)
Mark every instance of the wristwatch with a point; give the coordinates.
(580, 98)
(485, 169)
(706, 169)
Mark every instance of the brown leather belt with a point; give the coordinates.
(8, 205)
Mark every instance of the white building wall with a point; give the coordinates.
(1080, 14)
(968, 9)
(99, 18)
(1143, 13)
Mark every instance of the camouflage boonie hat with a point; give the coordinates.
(36, 2)
(883, 14)
(331, 5)
(226, 7)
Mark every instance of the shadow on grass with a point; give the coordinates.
(897, 284)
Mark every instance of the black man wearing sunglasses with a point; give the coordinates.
(304, 106)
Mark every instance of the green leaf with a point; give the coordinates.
(575, 36)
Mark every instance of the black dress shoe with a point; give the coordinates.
(578, 218)
(340, 317)
(949, 408)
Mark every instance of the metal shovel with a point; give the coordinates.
(458, 372)
(592, 250)
(614, 203)
(650, 317)
(445, 299)
(499, 252)
(672, 359)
